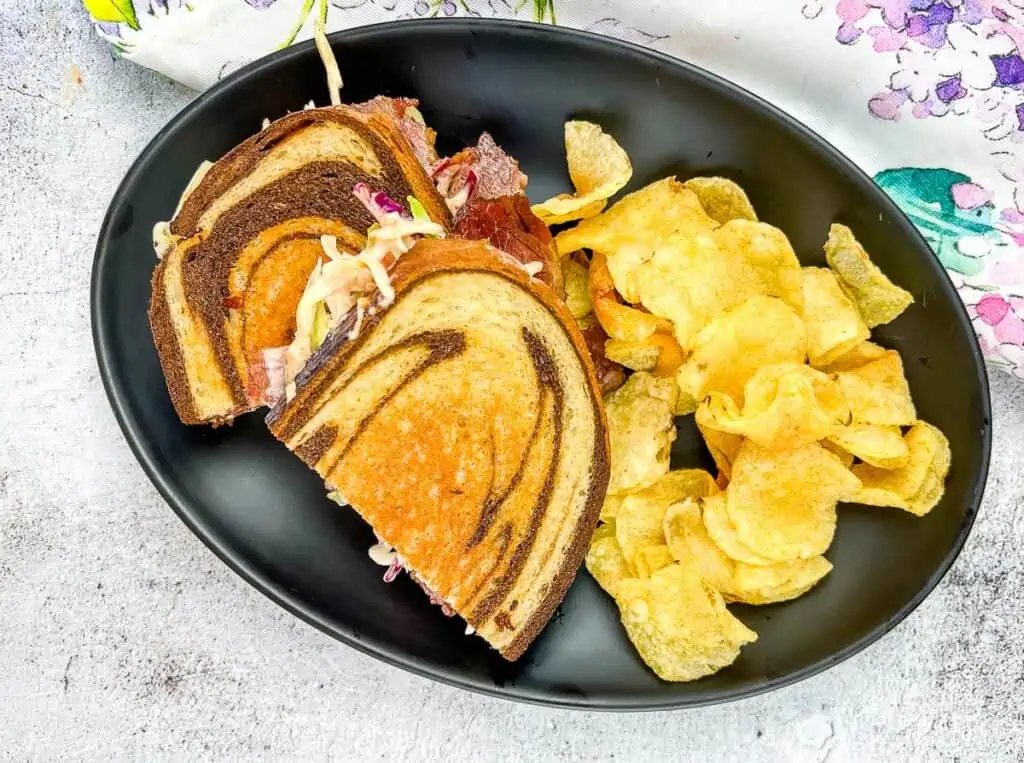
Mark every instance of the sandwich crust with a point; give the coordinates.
(272, 196)
(465, 424)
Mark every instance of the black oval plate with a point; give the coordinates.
(265, 514)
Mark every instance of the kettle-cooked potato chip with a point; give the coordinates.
(878, 392)
(679, 624)
(688, 540)
(722, 446)
(917, 486)
(574, 211)
(620, 321)
(598, 168)
(610, 507)
(844, 455)
(833, 322)
(641, 515)
(778, 582)
(857, 356)
(641, 430)
(881, 446)
(878, 299)
(786, 406)
(723, 532)
(638, 356)
(659, 353)
(649, 559)
(692, 280)
(604, 559)
(728, 351)
(722, 199)
(783, 503)
(628, 232)
(577, 291)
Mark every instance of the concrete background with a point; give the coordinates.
(91, 558)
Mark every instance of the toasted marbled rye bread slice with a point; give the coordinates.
(246, 238)
(464, 423)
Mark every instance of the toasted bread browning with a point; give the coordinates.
(246, 237)
(475, 395)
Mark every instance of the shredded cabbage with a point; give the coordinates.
(345, 281)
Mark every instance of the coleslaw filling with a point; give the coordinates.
(346, 282)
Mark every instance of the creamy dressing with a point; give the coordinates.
(345, 281)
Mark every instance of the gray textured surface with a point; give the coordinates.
(121, 636)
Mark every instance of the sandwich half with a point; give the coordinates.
(236, 257)
(460, 416)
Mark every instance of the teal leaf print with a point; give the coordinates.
(927, 197)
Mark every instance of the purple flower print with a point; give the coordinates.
(972, 55)
(1004, 316)
(1009, 70)
(888, 105)
(261, 4)
(969, 196)
(887, 40)
(919, 72)
(950, 90)
(929, 28)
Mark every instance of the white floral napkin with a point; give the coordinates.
(926, 95)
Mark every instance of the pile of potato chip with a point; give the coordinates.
(713, 313)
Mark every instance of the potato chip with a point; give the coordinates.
(857, 356)
(722, 446)
(610, 507)
(604, 559)
(723, 532)
(660, 354)
(878, 299)
(728, 351)
(688, 541)
(650, 559)
(573, 210)
(879, 446)
(620, 321)
(834, 325)
(638, 356)
(786, 406)
(640, 517)
(844, 456)
(679, 624)
(628, 232)
(598, 168)
(722, 199)
(878, 392)
(577, 291)
(641, 430)
(778, 582)
(783, 503)
(915, 487)
(691, 280)
(722, 481)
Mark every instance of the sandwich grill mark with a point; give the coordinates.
(443, 344)
(504, 540)
(547, 381)
(312, 449)
(318, 189)
(493, 503)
